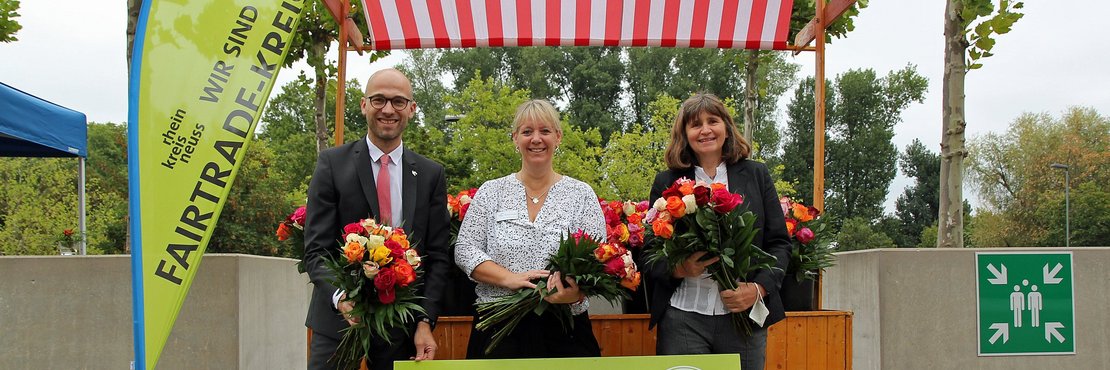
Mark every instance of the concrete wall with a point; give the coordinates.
(916, 309)
(244, 312)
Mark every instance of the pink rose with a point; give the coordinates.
(298, 216)
(615, 267)
(354, 228)
(805, 235)
(725, 202)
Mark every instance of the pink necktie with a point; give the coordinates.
(385, 203)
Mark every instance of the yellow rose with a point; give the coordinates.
(380, 255)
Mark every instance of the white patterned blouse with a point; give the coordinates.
(497, 228)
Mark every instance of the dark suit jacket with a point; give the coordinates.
(342, 191)
(752, 180)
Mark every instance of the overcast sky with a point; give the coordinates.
(73, 53)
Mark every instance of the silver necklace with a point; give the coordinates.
(535, 199)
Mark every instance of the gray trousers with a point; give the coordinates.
(691, 333)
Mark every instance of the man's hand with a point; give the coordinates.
(425, 342)
(345, 306)
(563, 294)
(741, 298)
(693, 266)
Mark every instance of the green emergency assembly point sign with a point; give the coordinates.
(1026, 303)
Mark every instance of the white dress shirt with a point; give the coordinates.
(394, 178)
(701, 294)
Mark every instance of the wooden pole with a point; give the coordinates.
(341, 83)
(819, 128)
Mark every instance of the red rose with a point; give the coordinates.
(298, 216)
(672, 192)
(805, 235)
(634, 219)
(395, 249)
(462, 211)
(384, 282)
(725, 202)
(701, 195)
(615, 267)
(387, 296)
(354, 228)
(612, 217)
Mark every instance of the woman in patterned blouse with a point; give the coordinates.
(514, 225)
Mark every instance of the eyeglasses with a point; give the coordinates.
(398, 102)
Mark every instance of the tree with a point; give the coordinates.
(797, 156)
(254, 207)
(857, 233)
(1022, 196)
(964, 47)
(287, 127)
(8, 25)
(861, 157)
(916, 208)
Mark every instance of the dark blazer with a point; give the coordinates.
(752, 180)
(342, 191)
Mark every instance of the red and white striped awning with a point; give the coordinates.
(749, 24)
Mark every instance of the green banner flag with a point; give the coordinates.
(200, 75)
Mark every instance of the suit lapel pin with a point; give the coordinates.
(414, 172)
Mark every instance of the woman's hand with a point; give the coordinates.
(741, 298)
(563, 294)
(523, 280)
(692, 267)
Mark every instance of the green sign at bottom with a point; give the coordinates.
(690, 362)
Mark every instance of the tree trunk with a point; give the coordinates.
(950, 220)
(316, 53)
(750, 93)
(132, 22)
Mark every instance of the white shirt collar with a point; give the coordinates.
(722, 174)
(376, 153)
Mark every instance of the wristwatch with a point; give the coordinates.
(429, 321)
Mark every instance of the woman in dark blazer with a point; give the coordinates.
(689, 307)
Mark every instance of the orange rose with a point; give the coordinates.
(791, 224)
(354, 251)
(686, 189)
(676, 207)
(453, 204)
(662, 229)
(283, 232)
(400, 238)
(801, 212)
(631, 282)
(606, 251)
(405, 274)
(716, 185)
(635, 218)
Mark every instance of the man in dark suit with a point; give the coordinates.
(376, 177)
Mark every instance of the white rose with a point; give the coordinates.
(374, 241)
(660, 204)
(412, 257)
(629, 208)
(464, 200)
(691, 204)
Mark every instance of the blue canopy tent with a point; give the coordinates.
(33, 127)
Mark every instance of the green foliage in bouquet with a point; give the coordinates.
(599, 269)
(810, 251)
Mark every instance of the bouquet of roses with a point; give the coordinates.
(457, 206)
(599, 269)
(810, 250)
(693, 217)
(292, 228)
(624, 221)
(378, 270)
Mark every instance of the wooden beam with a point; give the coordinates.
(336, 10)
(831, 11)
